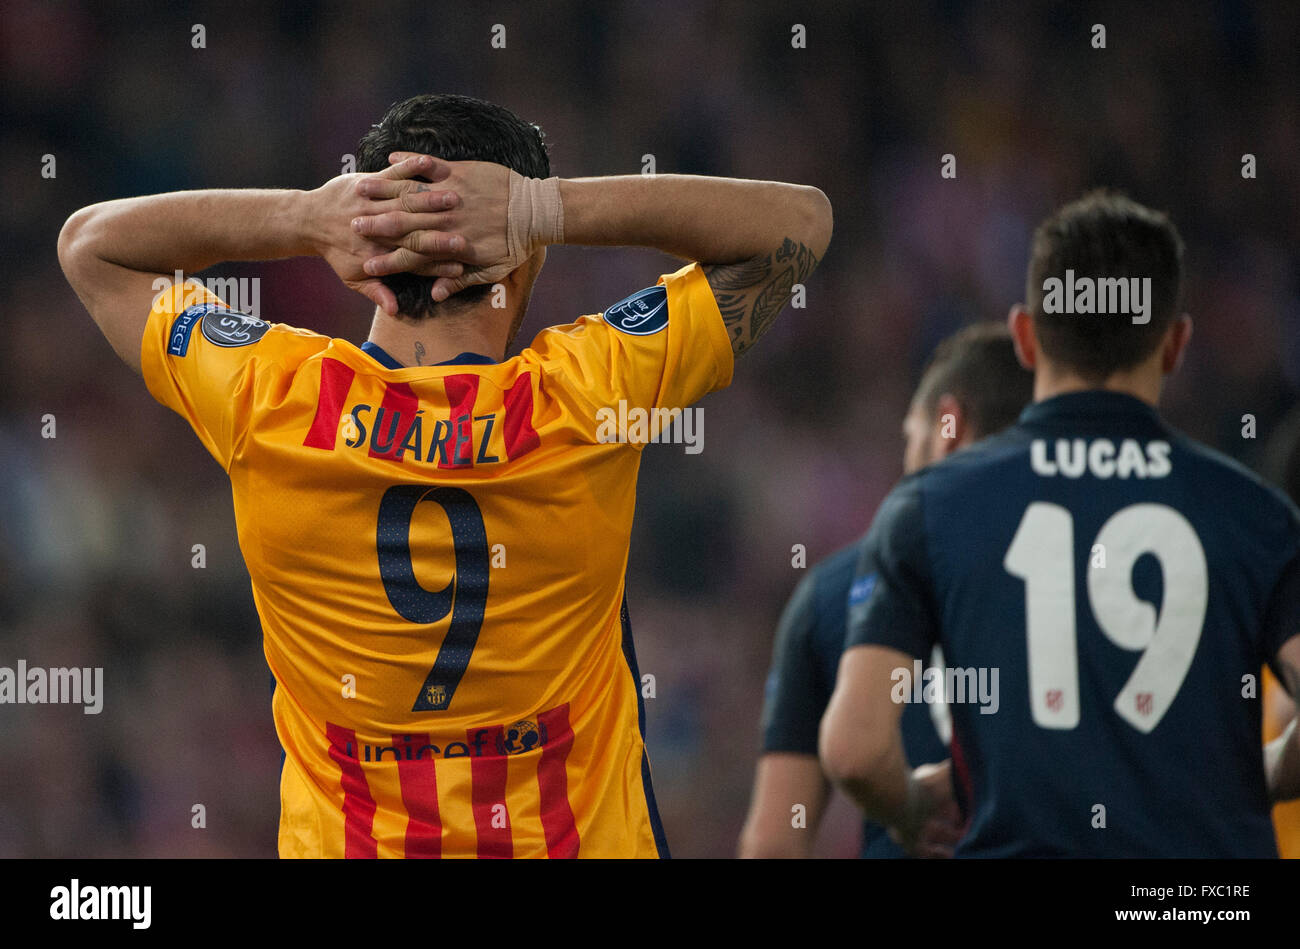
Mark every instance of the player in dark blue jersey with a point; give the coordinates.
(1104, 589)
(971, 387)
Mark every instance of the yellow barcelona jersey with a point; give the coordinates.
(438, 556)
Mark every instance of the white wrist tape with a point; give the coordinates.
(536, 215)
(534, 218)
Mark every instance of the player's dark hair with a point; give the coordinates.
(977, 366)
(454, 128)
(1104, 234)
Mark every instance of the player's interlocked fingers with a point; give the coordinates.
(932, 825)
(501, 216)
(335, 205)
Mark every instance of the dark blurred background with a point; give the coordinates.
(98, 523)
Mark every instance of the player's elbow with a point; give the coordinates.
(850, 756)
(814, 220)
(76, 243)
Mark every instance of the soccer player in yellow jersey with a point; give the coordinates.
(437, 535)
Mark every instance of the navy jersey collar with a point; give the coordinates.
(469, 359)
(388, 362)
(1091, 404)
(379, 356)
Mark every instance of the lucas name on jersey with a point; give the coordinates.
(1100, 457)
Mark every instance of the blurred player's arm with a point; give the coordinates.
(891, 621)
(861, 743)
(789, 773)
(783, 780)
(1282, 754)
(862, 753)
(754, 239)
(115, 253)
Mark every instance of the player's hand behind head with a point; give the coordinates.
(333, 208)
(468, 204)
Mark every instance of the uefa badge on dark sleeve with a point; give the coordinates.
(644, 313)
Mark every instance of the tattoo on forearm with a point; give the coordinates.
(751, 293)
(419, 354)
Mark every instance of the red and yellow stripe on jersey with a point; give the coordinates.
(437, 556)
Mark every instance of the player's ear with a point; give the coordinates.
(1177, 337)
(1021, 325)
(951, 428)
(520, 280)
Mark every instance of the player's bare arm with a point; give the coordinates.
(114, 253)
(861, 749)
(784, 779)
(751, 293)
(755, 239)
(1282, 754)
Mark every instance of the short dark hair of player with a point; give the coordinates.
(453, 128)
(977, 366)
(1104, 234)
